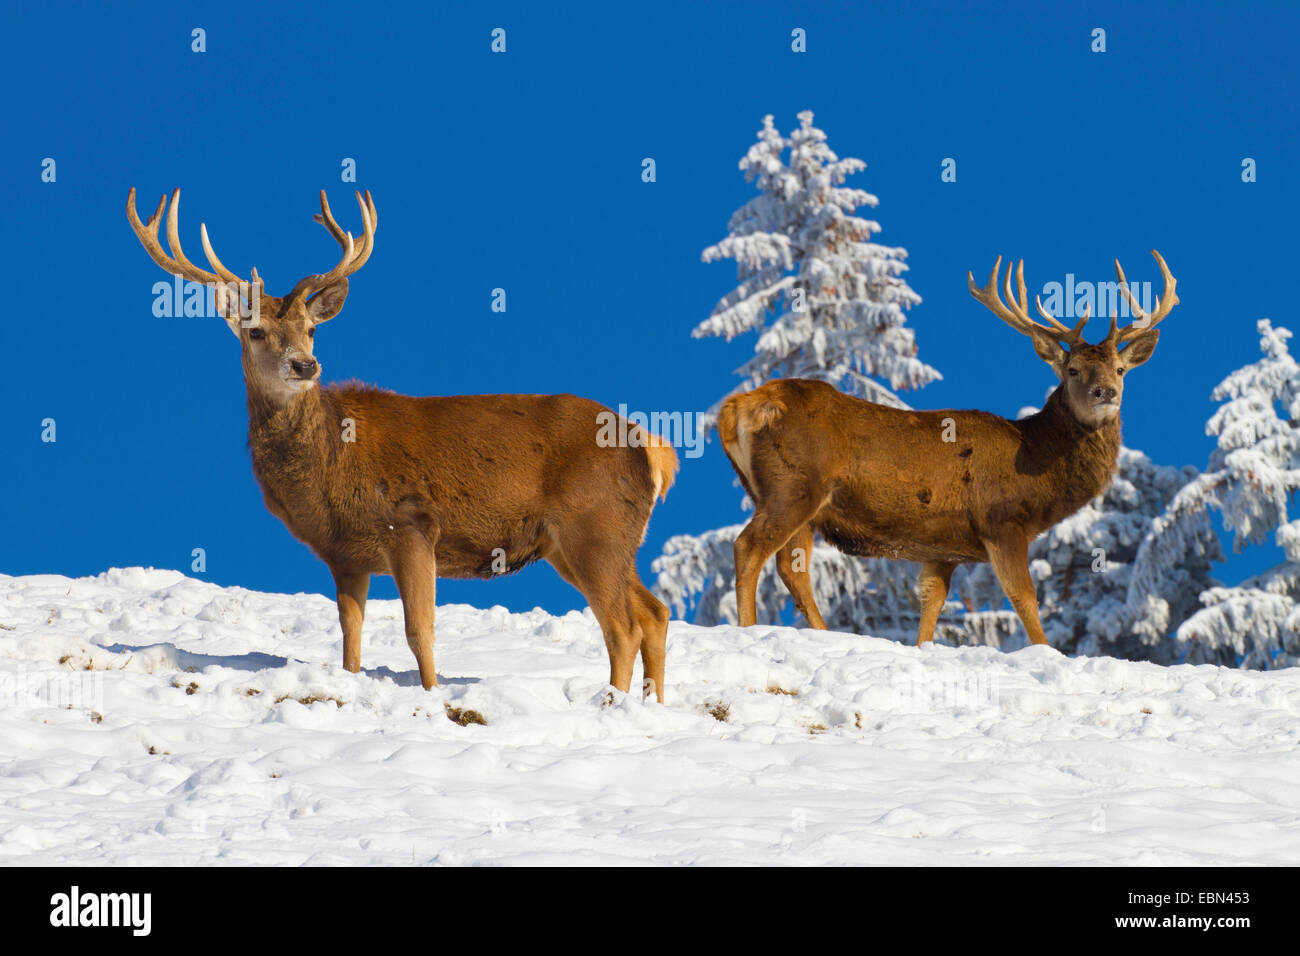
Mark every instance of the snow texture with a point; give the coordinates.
(151, 718)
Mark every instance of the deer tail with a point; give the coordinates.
(663, 465)
(740, 417)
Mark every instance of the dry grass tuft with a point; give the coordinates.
(463, 717)
(309, 700)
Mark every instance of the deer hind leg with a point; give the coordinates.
(613, 609)
(794, 564)
(415, 572)
(652, 621)
(351, 596)
(604, 573)
(935, 578)
(1010, 560)
(769, 529)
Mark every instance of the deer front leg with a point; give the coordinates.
(935, 578)
(415, 573)
(351, 596)
(1010, 560)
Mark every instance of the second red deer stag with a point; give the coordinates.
(379, 483)
(943, 488)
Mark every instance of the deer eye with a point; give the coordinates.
(256, 333)
(1119, 372)
(1074, 371)
(311, 332)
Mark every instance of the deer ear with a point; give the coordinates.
(229, 306)
(1140, 349)
(326, 303)
(1050, 351)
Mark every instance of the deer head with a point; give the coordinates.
(1092, 375)
(275, 332)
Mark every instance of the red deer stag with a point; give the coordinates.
(942, 488)
(467, 486)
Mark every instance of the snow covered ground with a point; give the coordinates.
(150, 718)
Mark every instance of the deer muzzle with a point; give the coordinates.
(299, 370)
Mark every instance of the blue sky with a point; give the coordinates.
(522, 171)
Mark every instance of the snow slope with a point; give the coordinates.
(152, 718)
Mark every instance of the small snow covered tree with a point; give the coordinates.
(1083, 567)
(800, 250)
(839, 302)
(1253, 472)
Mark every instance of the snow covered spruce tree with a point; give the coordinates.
(801, 252)
(1253, 472)
(836, 302)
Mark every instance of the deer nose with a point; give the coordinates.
(304, 367)
(1104, 393)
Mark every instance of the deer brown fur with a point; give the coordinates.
(942, 488)
(468, 486)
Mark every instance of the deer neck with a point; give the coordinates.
(1077, 460)
(291, 453)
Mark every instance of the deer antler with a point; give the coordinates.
(326, 219)
(225, 273)
(1017, 314)
(355, 253)
(1164, 305)
(176, 263)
